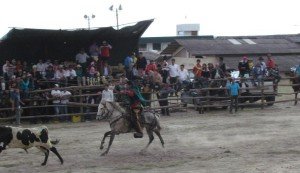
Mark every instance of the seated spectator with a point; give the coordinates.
(92, 70)
(72, 72)
(151, 67)
(106, 70)
(258, 74)
(79, 74)
(49, 73)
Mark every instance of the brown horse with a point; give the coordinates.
(120, 122)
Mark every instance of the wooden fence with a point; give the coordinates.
(176, 101)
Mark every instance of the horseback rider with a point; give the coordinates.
(136, 102)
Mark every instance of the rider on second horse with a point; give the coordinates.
(136, 102)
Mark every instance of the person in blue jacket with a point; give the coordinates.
(233, 88)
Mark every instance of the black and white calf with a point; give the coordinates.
(15, 137)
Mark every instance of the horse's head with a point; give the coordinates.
(105, 110)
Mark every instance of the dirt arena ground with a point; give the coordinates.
(252, 140)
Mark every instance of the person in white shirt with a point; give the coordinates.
(56, 94)
(5, 69)
(41, 68)
(183, 74)
(107, 95)
(72, 73)
(64, 96)
(173, 74)
(81, 58)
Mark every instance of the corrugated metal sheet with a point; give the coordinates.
(225, 47)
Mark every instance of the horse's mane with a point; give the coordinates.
(118, 107)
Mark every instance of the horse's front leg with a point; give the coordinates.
(103, 139)
(112, 137)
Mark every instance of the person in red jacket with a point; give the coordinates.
(151, 67)
(104, 51)
(270, 62)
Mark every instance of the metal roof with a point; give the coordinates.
(226, 47)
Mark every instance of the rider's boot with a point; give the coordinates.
(138, 127)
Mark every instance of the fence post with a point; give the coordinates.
(18, 115)
(262, 93)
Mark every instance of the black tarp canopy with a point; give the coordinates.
(34, 44)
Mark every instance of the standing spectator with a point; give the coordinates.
(81, 58)
(19, 66)
(56, 94)
(151, 67)
(165, 71)
(105, 51)
(270, 62)
(141, 64)
(94, 50)
(15, 101)
(233, 88)
(197, 70)
(163, 94)
(5, 69)
(64, 96)
(24, 85)
(173, 73)
(128, 63)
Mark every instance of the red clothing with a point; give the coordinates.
(151, 67)
(104, 51)
(270, 63)
(197, 70)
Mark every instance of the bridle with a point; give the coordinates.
(109, 114)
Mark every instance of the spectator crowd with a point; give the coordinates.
(92, 68)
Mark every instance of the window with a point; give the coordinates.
(142, 46)
(156, 46)
(249, 41)
(234, 41)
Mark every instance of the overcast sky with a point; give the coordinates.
(216, 17)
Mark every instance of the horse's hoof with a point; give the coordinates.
(43, 164)
(104, 154)
(101, 147)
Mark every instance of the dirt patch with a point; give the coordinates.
(252, 140)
